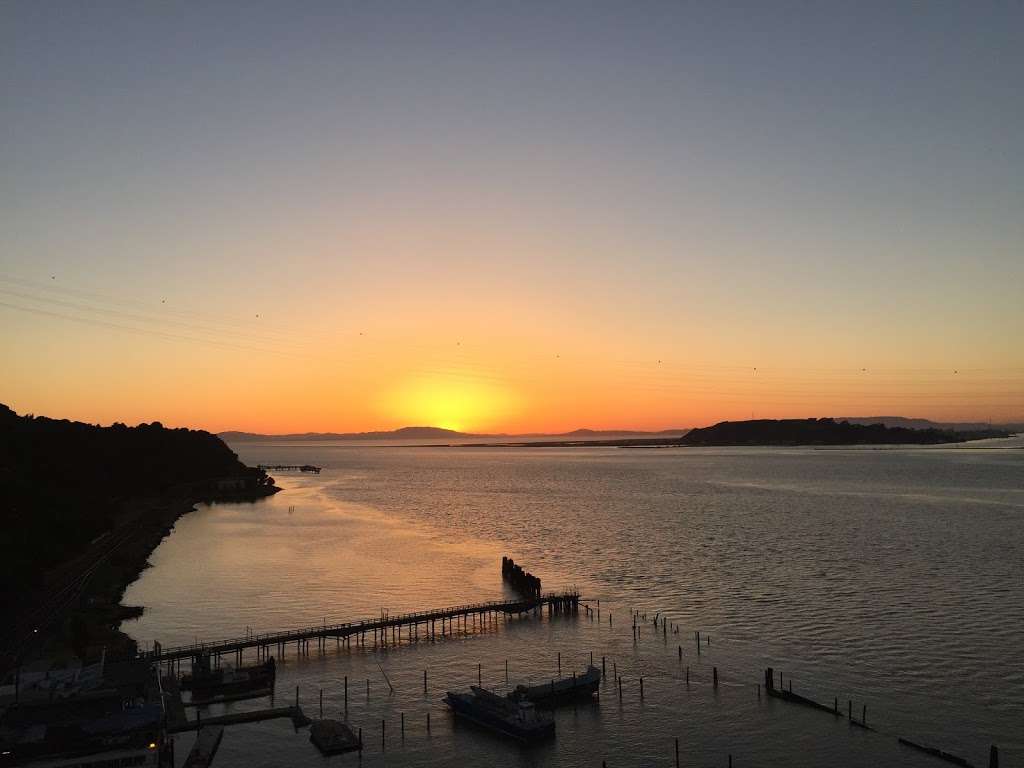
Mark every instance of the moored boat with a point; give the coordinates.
(563, 690)
(517, 718)
(227, 679)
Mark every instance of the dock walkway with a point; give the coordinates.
(289, 468)
(567, 602)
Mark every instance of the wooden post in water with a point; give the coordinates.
(849, 709)
(428, 722)
(864, 715)
(403, 724)
(383, 726)
(993, 756)
(641, 689)
(677, 752)
(296, 697)
(321, 703)
(714, 671)
(687, 674)
(424, 681)
(367, 689)
(680, 653)
(603, 670)
(506, 670)
(835, 705)
(559, 663)
(479, 675)
(360, 741)
(346, 694)
(758, 691)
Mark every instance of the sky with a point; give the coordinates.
(495, 216)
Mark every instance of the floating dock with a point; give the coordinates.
(205, 749)
(292, 713)
(332, 737)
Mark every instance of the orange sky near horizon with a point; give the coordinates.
(553, 368)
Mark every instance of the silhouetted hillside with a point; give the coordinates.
(823, 432)
(62, 483)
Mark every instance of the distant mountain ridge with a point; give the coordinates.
(435, 433)
(911, 423)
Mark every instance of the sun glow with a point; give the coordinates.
(459, 404)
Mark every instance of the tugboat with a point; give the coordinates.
(205, 681)
(511, 717)
(558, 691)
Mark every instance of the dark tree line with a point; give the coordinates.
(62, 483)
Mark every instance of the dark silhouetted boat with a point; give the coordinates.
(205, 681)
(563, 690)
(517, 718)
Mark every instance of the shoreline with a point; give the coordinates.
(81, 612)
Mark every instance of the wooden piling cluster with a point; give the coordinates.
(523, 582)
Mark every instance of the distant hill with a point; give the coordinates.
(903, 421)
(405, 433)
(823, 432)
(435, 433)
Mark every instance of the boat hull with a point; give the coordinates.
(463, 706)
(562, 691)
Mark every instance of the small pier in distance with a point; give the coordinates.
(556, 602)
(289, 468)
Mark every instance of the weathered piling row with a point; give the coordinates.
(788, 695)
(523, 582)
(935, 752)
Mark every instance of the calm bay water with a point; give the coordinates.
(889, 577)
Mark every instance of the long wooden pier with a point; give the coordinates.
(449, 618)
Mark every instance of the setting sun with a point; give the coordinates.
(458, 404)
